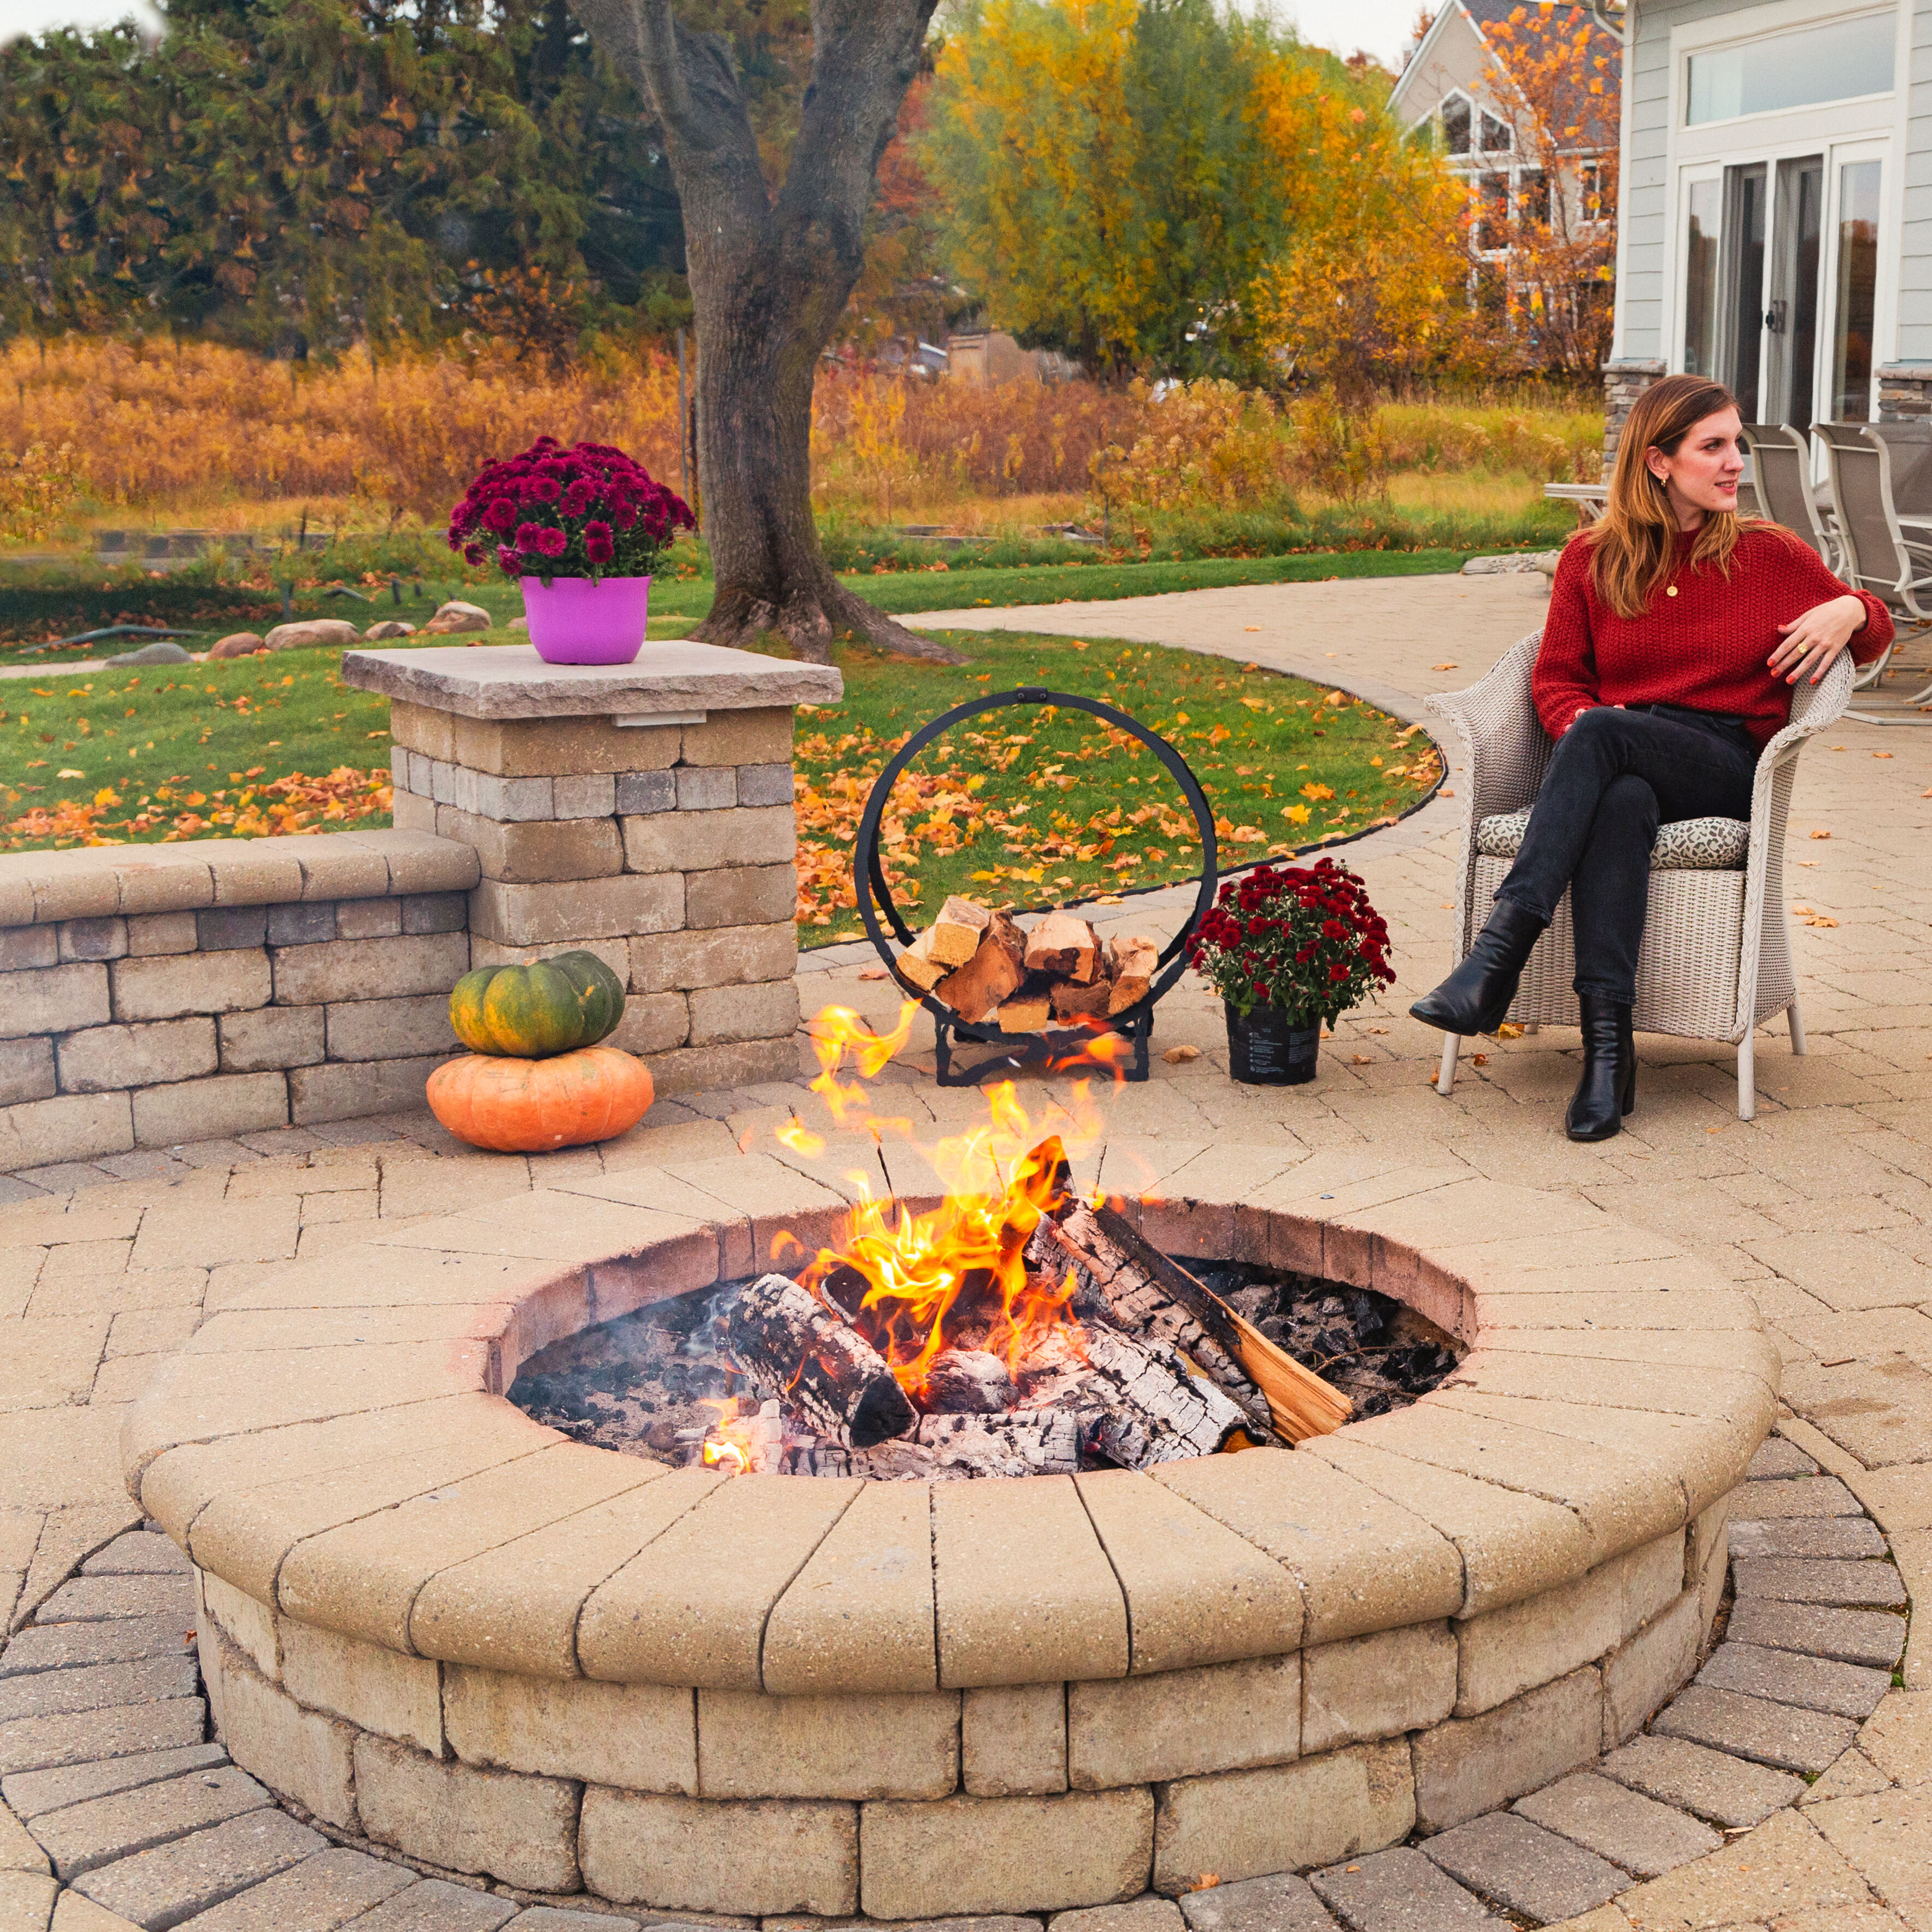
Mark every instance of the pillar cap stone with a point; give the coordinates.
(507, 681)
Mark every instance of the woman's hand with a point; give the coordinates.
(1811, 642)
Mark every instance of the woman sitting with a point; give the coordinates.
(1676, 631)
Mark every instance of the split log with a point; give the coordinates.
(956, 933)
(952, 1448)
(985, 980)
(967, 1382)
(1138, 1402)
(918, 965)
(1063, 947)
(1071, 1002)
(1131, 973)
(1134, 1284)
(1028, 1013)
(784, 1337)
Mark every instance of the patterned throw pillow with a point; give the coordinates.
(1683, 845)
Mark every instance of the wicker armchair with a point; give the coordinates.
(1717, 950)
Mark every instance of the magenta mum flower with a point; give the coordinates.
(599, 550)
(530, 536)
(501, 514)
(552, 543)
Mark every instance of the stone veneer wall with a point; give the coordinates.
(1905, 392)
(1624, 381)
(154, 994)
(667, 849)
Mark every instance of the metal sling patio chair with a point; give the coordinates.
(1876, 554)
(1717, 949)
(1781, 475)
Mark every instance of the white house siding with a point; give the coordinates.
(1915, 273)
(1644, 189)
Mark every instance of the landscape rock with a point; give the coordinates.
(160, 652)
(313, 631)
(237, 644)
(457, 615)
(390, 627)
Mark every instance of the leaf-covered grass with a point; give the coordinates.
(248, 747)
(1035, 805)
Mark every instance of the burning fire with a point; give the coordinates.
(911, 1279)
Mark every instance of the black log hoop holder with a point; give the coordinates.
(868, 877)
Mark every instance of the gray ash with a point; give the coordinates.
(1377, 1351)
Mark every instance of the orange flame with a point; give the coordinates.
(796, 1135)
(837, 1030)
(727, 1447)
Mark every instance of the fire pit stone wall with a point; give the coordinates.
(438, 1627)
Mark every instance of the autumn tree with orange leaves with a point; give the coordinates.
(1553, 78)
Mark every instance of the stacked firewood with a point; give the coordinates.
(1144, 1365)
(983, 966)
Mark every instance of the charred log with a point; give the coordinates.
(948, 1448)
(784, 1337)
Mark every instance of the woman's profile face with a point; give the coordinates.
(1703, 473)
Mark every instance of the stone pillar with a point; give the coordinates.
(1905, 392)
(1624, 381)
(643, 812)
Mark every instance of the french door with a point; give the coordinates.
(1781, 279)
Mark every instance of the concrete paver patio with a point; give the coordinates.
(1820, 1207)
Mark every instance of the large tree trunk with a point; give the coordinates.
(770, 277)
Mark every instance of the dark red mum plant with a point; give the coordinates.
(1303, 940)
(588, 511)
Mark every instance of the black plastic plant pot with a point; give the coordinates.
(883, 924)
(1266, 1049)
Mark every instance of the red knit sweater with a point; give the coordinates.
(1703, 642)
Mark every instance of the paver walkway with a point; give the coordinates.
(1820, 1206)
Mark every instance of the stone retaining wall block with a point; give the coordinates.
(981, 1855)
(247, 1625)
(723, 1015)
(883, 1745)
(228, 929)
(1539, 1640)
(768, 1856)
(642, 792)
(652, 1023)
(166, 987)
(1472, 1764)
(675, 842)
(518, 1828)
(1641, 1676)
(270, 1036)
(93, 939)
(60, 999)
(1244, 1824)
(706, 787)
(548, 915)
(555, 848)
(740, 895)
(1013, 1741)
(767, 784)
(301, 924)
(1180, 1724)
(152, 935)
(24, 947)
(369, 918)
(563, 747)
(220, 1107)
(729, 955)
(267, 1733)
(762, 737)
(639, 1737)
(350, 969)
(346, 1090)
(101, 1059)
(1377, 1686)
(690, 1069)
(435, 912)
(72, 1126)
(390, 1029)
(1706, 1530)
(373, 1688)
(26, 1069)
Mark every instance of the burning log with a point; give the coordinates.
(967, 1382)
(1138, 1402)
(784, 1337)
(1028, 1443)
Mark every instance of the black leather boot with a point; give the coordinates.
(1475, 997)
(1607, 1091)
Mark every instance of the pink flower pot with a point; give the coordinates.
(574, 621)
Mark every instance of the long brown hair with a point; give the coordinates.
(1633, 544)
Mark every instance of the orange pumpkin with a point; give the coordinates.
(530, 1106)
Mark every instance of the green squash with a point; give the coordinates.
(533, 1013)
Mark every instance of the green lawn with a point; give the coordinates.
(32, 611)
(1035, 805)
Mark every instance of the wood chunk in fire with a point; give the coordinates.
(1071, 1002)
(1137, 1402)
(967, 1382)
(1044, 1442)
(783, 1335)
(955, 933)
(1063, 947)
(1130, 971)
(1139, 1303)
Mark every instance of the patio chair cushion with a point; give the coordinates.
(1683, 845)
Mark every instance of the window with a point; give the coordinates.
(1492, 211)
(1532, 198)
(1496, 138)
(1590, 191)
(1455, 125)
(1857, 290)
(1700, 279)
(1796, 70)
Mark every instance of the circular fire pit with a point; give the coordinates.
(440, 1628)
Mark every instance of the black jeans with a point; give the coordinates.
(1616, 776)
